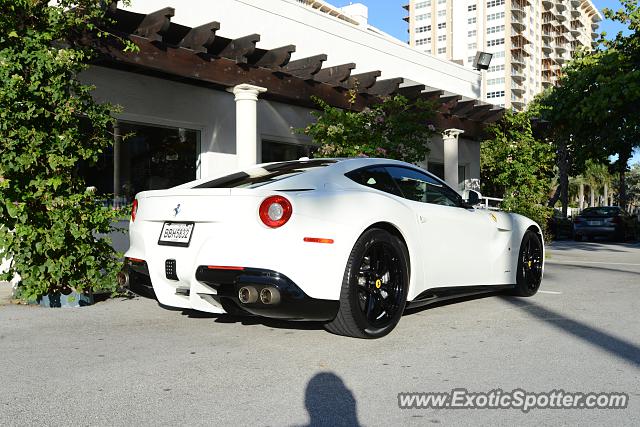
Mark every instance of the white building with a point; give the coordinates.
(220, 85)
(530, 39)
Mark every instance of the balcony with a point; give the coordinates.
(575, 13)
(562, 27)
(575, 32)
(560, 6)
(517, 74)
(576, 3)
(517, 89)
(518, 9)
(547, 47)
(547, 35)
(520, 39)
(517, 103)
(560, 40)
(517, 60)
(560, 17)
(518, 23)
(547, 4)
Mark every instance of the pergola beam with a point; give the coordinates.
(463, 107)
(239, 49)
(336, 74)
(362, 81)
(155, 24)
(479, 111)
(200, 38)
(273, 58)
(411, 91)
(385, 87)
(305, 68)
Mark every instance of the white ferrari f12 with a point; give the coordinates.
(350, 242)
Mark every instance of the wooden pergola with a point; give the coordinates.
(203, 57)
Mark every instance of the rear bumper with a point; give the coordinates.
(587, 230)
(292, 304)
(136, 276)
(222, 285)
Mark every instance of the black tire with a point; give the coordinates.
(529, 274)
(373, 297)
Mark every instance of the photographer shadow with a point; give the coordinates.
(329, 402)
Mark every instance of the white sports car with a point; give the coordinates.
(351, 242)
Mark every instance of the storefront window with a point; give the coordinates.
(279, 152)
(144, 157)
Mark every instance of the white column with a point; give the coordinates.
(246, 123)
(450, 141)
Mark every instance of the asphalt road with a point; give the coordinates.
(131, 362)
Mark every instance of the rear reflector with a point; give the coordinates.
(223, 267)
(134, 209)
(138, 260)
(317, 240)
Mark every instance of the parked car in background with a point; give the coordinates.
(559, 226)
(606, 221)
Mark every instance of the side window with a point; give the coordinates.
(420, 187)
(374, 177)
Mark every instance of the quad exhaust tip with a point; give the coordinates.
(250, 295)
(269, 296)
(123, 279)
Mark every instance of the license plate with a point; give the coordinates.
(176, 234)
(594, 222)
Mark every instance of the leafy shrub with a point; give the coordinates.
(50, 225)
(396, 128)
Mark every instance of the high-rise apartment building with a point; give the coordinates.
(530, 39)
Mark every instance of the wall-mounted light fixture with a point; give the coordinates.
(482, 60)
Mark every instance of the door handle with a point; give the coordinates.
(422, 219)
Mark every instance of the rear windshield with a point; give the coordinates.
(265, 175)
(603, 211)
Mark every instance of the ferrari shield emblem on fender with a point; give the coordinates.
(493, 217)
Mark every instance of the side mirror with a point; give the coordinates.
(473, 197)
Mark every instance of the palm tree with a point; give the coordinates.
(595, 175)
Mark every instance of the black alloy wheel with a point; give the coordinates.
(374, 289)
(530, 261)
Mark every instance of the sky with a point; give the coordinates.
(387, 15)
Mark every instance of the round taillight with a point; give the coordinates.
(275, 211)
(134, 209)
